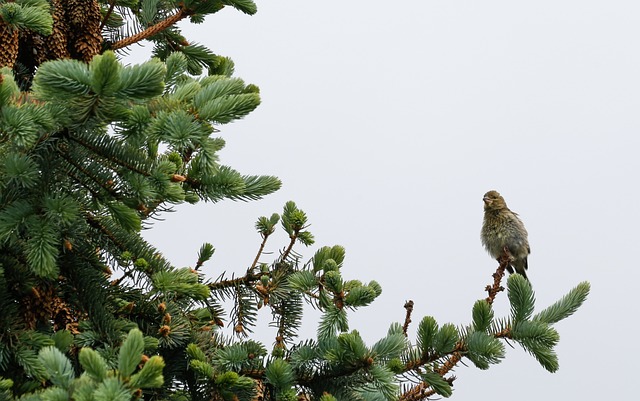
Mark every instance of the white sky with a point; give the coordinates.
(388, 121)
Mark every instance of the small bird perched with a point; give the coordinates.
(503, 228)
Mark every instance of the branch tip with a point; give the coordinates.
(495, 288)
(407, 319)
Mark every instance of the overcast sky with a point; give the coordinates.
(388, 121)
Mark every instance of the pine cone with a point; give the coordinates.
(84, 18)
(57, 41)
(36, 46)
(9, 43)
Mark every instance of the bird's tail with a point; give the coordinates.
(521, 268)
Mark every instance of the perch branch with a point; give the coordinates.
(407, 319)
(152, 30)
(495, 288)
(423, 390)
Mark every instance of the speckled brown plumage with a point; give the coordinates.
(503, 228)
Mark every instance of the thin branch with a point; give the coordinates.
(152, 30)
(407, 319)
(246, 280)
(504, 333)
(423, 390)
(494, 289)
(112, 5)
(239, 328)
(264, 242)
(452, 361)
(293, 238)
(119, 162)
(87, 173)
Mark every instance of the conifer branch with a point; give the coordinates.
(453, 360)
(244, 280)
(407, 319)
(417, 393)
(239, 328)
(113, 237)
(84, 171)
(99, 152)
(455, 357)
(112, 5)
(289, 248)
(75, 200)
(504, 333)
(260, 250)
(95, 194)
(152, 30)
(422, 391)
(495, 288)
(338, 373)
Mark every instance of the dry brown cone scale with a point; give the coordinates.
(56, 43)
(84, 18)
(9, 44)
(76, 33)
(43, 305)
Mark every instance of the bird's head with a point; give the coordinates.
(493, 201)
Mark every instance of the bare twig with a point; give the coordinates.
(452, 361)
(112, 5)
(152, 30)
(264, 242)
(407, 319)
(423, 390)
(244, 280)
(494, 289)
(293, 238)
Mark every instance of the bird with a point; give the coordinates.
(502, 229)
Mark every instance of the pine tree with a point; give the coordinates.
(92, 150)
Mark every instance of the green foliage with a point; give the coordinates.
(484, 350)
(180, 282)
(566, 306)
(445, 339)
(266, 226)
(130, 353)
(150, 376)
(111, 389)
(63, 340)
(8, 87)
(439, 385)
(482, 315)
(389, 347)
(94, 365)
(427, 330)
(205, 253)
(328, 258)
(294, 222)
(280, 375)
(58, 368)
(521, 298)
(539, 339)
(27, 14)
(98, 382)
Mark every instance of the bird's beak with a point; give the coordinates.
(486, 199)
